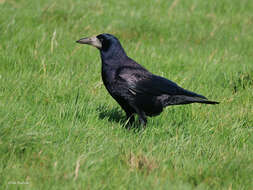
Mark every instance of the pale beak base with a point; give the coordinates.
(94, 41)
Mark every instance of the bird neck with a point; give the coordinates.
(113, 55)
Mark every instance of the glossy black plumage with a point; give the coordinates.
(136, 89)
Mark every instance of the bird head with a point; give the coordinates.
(104, 42)
(109, 45)
(101, 41)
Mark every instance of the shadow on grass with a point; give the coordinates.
(113, 115)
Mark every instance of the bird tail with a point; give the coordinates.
(202, 101)
(181, 99)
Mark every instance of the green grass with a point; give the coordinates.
(59, 128)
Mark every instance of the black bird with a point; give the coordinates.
(137, 90)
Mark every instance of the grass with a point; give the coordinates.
(59, 128)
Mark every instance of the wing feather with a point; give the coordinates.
(142, 82)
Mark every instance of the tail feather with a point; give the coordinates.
(181, 99)
(192, 94)
(206, 102)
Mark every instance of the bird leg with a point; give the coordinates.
(142, 118)
(141, 114)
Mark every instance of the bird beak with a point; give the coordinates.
(94, 41)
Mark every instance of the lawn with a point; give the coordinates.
(60, 129)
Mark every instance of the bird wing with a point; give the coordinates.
(142, 82)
